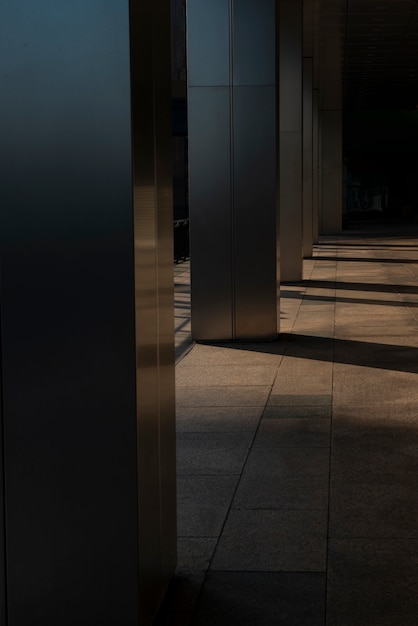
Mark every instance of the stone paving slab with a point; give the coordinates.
(298, 459)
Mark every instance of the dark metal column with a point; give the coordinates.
(291, 140)
(233, 168)
(86, 310)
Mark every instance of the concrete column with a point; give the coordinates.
(290, 55)
(315, 166)
(87, 515)
(232, 168)
(307, 158)
(330, 216)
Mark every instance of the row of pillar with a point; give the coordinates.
(265, 162)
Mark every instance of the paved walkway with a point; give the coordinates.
(298, 459)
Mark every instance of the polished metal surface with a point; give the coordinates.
(232, 169)
(307, 165)
(154, 301)
(315, 166)
(70, 278)
(210, 198)
(290, 105)
(254, 42)
(3, 589)
(291, 207)
(208, 42)
(254, 224)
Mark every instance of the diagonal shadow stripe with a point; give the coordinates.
(297, 295)
(355, 286)
(360, 353)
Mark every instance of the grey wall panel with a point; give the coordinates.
(254, 221)
(254, 57)
(291, 206)
(210, 199)
(208, 47)
(290, 55)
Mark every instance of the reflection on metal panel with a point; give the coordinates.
(307, 159)
(154, 285)
(208, 42)
(254, 219)
(254, 43)
(290, 54)
(210, 224)
(68, 297)
(291, 206)
(233, 172)
(315, 186)
(165, 293)
(290, 65)
(3, 592)
(67, 314)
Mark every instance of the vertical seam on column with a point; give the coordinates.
(232, 153)
(3, 523)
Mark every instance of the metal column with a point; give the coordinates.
(232, 168)
(86, 311)
(307, 158)
(290, 44)
(330, 216)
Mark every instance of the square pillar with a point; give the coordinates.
(290, 106)
(330, 215)
(315, 166)
(307, 158)
(232, 169)
(87, 460)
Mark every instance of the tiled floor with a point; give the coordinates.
(298, 460)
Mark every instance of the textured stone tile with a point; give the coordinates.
(261, 599)
(356, 385)
(218, 375)
(215, 453)
(222, 396)
(275, 412)
(374, 454)
(300, 400)
(288, 461)
(273, 540)
(218, 419)
(259, 490)
(202, 504)
(194, 554)
(378, 355)
(370, 505)
(300, 432)
(372, 577)
(381, 416)
(237, 354)
(304, 377)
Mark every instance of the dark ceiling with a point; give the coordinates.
(367, 52)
